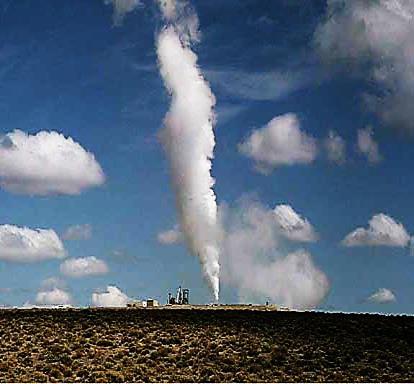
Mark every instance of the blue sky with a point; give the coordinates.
(66, 67)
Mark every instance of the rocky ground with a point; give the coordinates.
(201, 345)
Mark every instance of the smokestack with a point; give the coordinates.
(188, 136)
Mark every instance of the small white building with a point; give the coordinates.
(152, 303)
(136, 304)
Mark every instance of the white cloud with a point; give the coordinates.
(252, 260)
(382, 230)
(367, 145)
(121, 8)
(280, 142)
(83, 266)
(335, 147)
(382, 296)
(55, 296)
(170, 236)
(113, 297)
(46, 163)
(21, 244)
(78, 232)
(293, 226)
(374, 39)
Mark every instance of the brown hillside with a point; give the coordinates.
(203, 345)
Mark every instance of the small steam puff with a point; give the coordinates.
(188, 136)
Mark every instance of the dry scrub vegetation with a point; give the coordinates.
(201, 345)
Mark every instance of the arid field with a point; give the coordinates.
(203, 345)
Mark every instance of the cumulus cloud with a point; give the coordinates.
(170, 236)
(78, 232)
(22, 244)
(113, 297)
(253, 261)
(279, 142)
(382, 296)
(335, 147)
(46, 163)
(53, 292)
(367, 145)
(293, 226)
(55, 296)
(374, 38)
(382, 230)
(84, 266)
(121, 8)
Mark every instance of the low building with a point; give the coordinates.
(152, 303)
(135, 304)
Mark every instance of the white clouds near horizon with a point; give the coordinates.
(112, 297)
(382, 296)
(22, 244)
(54, 296)
(382, 230)
(46, 163)
(84, 266)
(52, 292)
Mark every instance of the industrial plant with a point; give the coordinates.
(182, 297)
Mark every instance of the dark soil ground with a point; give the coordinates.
(203, 345)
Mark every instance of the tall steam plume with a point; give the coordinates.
(188, 136)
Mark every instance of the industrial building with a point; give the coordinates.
(136, 304)
(152, 303)
(149, 303)
(182, 297)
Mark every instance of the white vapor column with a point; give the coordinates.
(188, 136)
